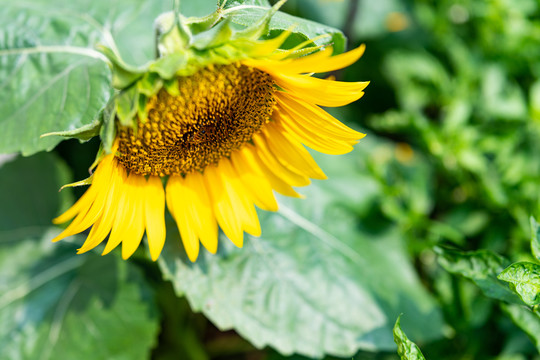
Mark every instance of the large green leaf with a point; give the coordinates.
(29, 191)
(524, 278)
(314, 283)
(58, 305)
(51, 78)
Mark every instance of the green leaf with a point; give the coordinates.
(407, 350)
(535, 238)
(524, 278)
(52, 79)
(314, 283)
(29, 191)
(58, 305)
(526, 319)
(303, 29)
(47, 91)
(482, 267)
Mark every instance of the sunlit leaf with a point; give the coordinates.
(407, 350)
(524, 278)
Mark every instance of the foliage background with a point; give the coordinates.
(420, 219)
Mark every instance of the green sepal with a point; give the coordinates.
(108, 130)
(127, 103)
(85, 182)
(167, 66)
(173, 34)
(201, 24)
(172, 87)
(150, 84)
(84, 133)
(214, 37)
(123, 75)
(141, 109)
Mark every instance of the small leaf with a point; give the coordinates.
(535, 238)
(524, 278)
(482, 267)
(407, 350)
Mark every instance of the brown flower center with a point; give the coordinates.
(217, 111)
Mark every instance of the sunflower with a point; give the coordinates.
(210, 130)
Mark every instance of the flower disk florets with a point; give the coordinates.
(216, 111)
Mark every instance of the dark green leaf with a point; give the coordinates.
(29, 191)
(58, 305)
(524, 278)
(482, 267)
(527, 320)
(407, 350)
(313, 283)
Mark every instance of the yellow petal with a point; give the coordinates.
(252, 177)
(252, 158)
(123, 210)
(317, 62)
(291, 153)
(132, 236)
(226, 213)
(317, 118)
(179, 203)
(320, 91)
(308, 136)
(200, 211)
(97, 196)
(155, 215)
(103, 225)
(240, 199)
(281, 171)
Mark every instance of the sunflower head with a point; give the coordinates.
(211, 128)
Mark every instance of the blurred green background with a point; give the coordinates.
(432, 204)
